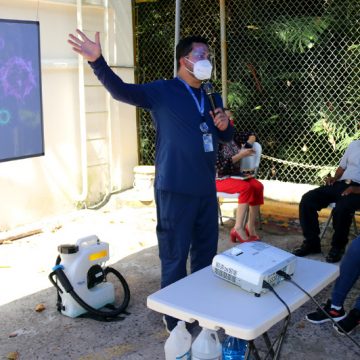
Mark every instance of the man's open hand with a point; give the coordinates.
(90, 50)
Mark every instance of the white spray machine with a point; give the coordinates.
(81, 280)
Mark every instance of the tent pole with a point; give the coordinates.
(223, 52)
(177, 31)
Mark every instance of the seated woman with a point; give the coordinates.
(251, 191)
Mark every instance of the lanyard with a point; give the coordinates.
(199, 106)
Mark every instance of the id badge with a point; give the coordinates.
(208, 143)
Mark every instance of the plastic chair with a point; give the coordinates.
(249, 163)
(327, 223)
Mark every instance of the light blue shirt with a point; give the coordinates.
(350, 162)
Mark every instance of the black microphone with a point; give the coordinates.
(209, 90)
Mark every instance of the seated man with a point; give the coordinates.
(349, 273)
(342, 189)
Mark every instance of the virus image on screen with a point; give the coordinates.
(17, 78)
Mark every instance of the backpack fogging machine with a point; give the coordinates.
(82, 280)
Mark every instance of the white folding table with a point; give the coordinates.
(216, 303)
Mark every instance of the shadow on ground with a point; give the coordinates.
(49, 335)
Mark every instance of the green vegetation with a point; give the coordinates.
(293, 75)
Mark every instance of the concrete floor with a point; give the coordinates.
(130, 231)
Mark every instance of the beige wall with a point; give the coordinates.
(36, 188)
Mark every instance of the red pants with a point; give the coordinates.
(250, 191)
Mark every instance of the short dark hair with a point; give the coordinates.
(184, 46)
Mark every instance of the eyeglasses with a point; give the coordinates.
(201, 55)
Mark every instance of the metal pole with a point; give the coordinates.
(82, 116)
(108, 99)
(177, 31)
(223, 51)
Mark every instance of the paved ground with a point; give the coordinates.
(130, 231)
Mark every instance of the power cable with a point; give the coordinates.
(37, 10)
(276, 355)
(288, 277)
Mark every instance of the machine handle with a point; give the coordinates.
(92, 239)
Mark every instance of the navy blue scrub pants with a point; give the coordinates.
(321, 197)
(186, 224)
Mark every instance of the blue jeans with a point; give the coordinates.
(349, 273)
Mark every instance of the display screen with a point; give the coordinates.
(21, 123)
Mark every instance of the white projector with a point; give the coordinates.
(249, 264)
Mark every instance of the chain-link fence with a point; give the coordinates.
(293, 75)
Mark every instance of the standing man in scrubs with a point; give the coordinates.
(187, 134)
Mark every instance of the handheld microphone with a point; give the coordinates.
(209, 90)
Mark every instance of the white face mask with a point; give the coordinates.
(202, 69)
